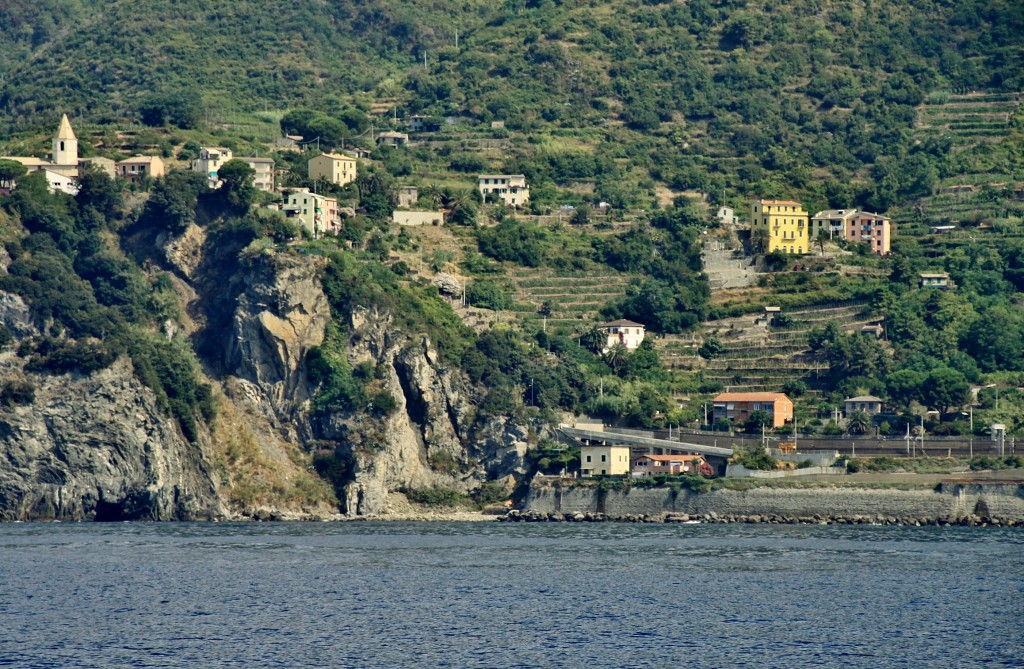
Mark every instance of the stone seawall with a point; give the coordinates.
(1005, 501)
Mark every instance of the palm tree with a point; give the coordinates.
(616, 357)
(858, 423)
(433, 193)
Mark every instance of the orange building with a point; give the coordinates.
(737, 407)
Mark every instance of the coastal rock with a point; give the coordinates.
(97, 447)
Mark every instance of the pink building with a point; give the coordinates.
(871, 229)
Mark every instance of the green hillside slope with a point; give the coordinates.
(732, 98)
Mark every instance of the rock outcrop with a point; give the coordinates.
(97, 447)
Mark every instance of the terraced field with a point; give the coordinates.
(760, 359)
(575, 298)
(968, 119)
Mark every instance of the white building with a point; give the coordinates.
(624, 332)
(210, 160)
(511, 189)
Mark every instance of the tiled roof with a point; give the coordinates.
(621, 323)
(750, 397)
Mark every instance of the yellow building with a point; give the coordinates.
(782, 224)
(604, 460)
(333, 167)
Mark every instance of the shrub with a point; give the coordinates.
(435, 496)
(853, 466)
(17, 391)
(755, 458)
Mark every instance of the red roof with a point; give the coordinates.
(750, 397)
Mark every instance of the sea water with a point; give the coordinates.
(366, 594)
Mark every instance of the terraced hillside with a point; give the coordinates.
(968, 119)
(757, 358)
(574, 298)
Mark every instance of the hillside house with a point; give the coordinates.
(869, 404)
(408, 196)
(783, 224)
(421, 123)
(511, 189)
(335, 168)
(263, 168)
(737, 407)
(318, 214)
(651, 465)
(604, 460)
(391, 138)
(871, 229)
(727, 216)
(140, 167)
(105, 165)
(935, 280)
(210, 160)
(831, 223)
(624, 332)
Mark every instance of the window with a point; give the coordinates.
(588, 458)
(604, 458)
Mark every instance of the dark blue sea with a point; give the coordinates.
(501, 595)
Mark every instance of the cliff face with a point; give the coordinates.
(94, 447)
(431, 439)
(98, 447)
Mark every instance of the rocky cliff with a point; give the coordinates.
(98, 446)
(95, 447)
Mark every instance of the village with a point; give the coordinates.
(774, 227)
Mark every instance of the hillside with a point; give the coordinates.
(825, 101)
(432, 361)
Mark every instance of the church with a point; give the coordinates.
(62, 168)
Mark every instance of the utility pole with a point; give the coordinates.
(970, 437)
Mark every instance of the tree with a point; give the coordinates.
(945, 388)
(180, 108)
(616, 357)
(757, 420)
(236, 184)
(10, 172)
(905, 386)
(545, 311)
(97, 190)
(711, 348)
(580, 215)
(858, 423)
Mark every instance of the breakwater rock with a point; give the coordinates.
(949, 503)
(971, 520)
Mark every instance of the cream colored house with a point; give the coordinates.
(604, 460)
(138, 167)
(831, 223)
(511, 189)
(333, 167)
(624, 332)
(106, 165)
(408, 196)
(210, 160)
(318, 214)
(263, 179)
